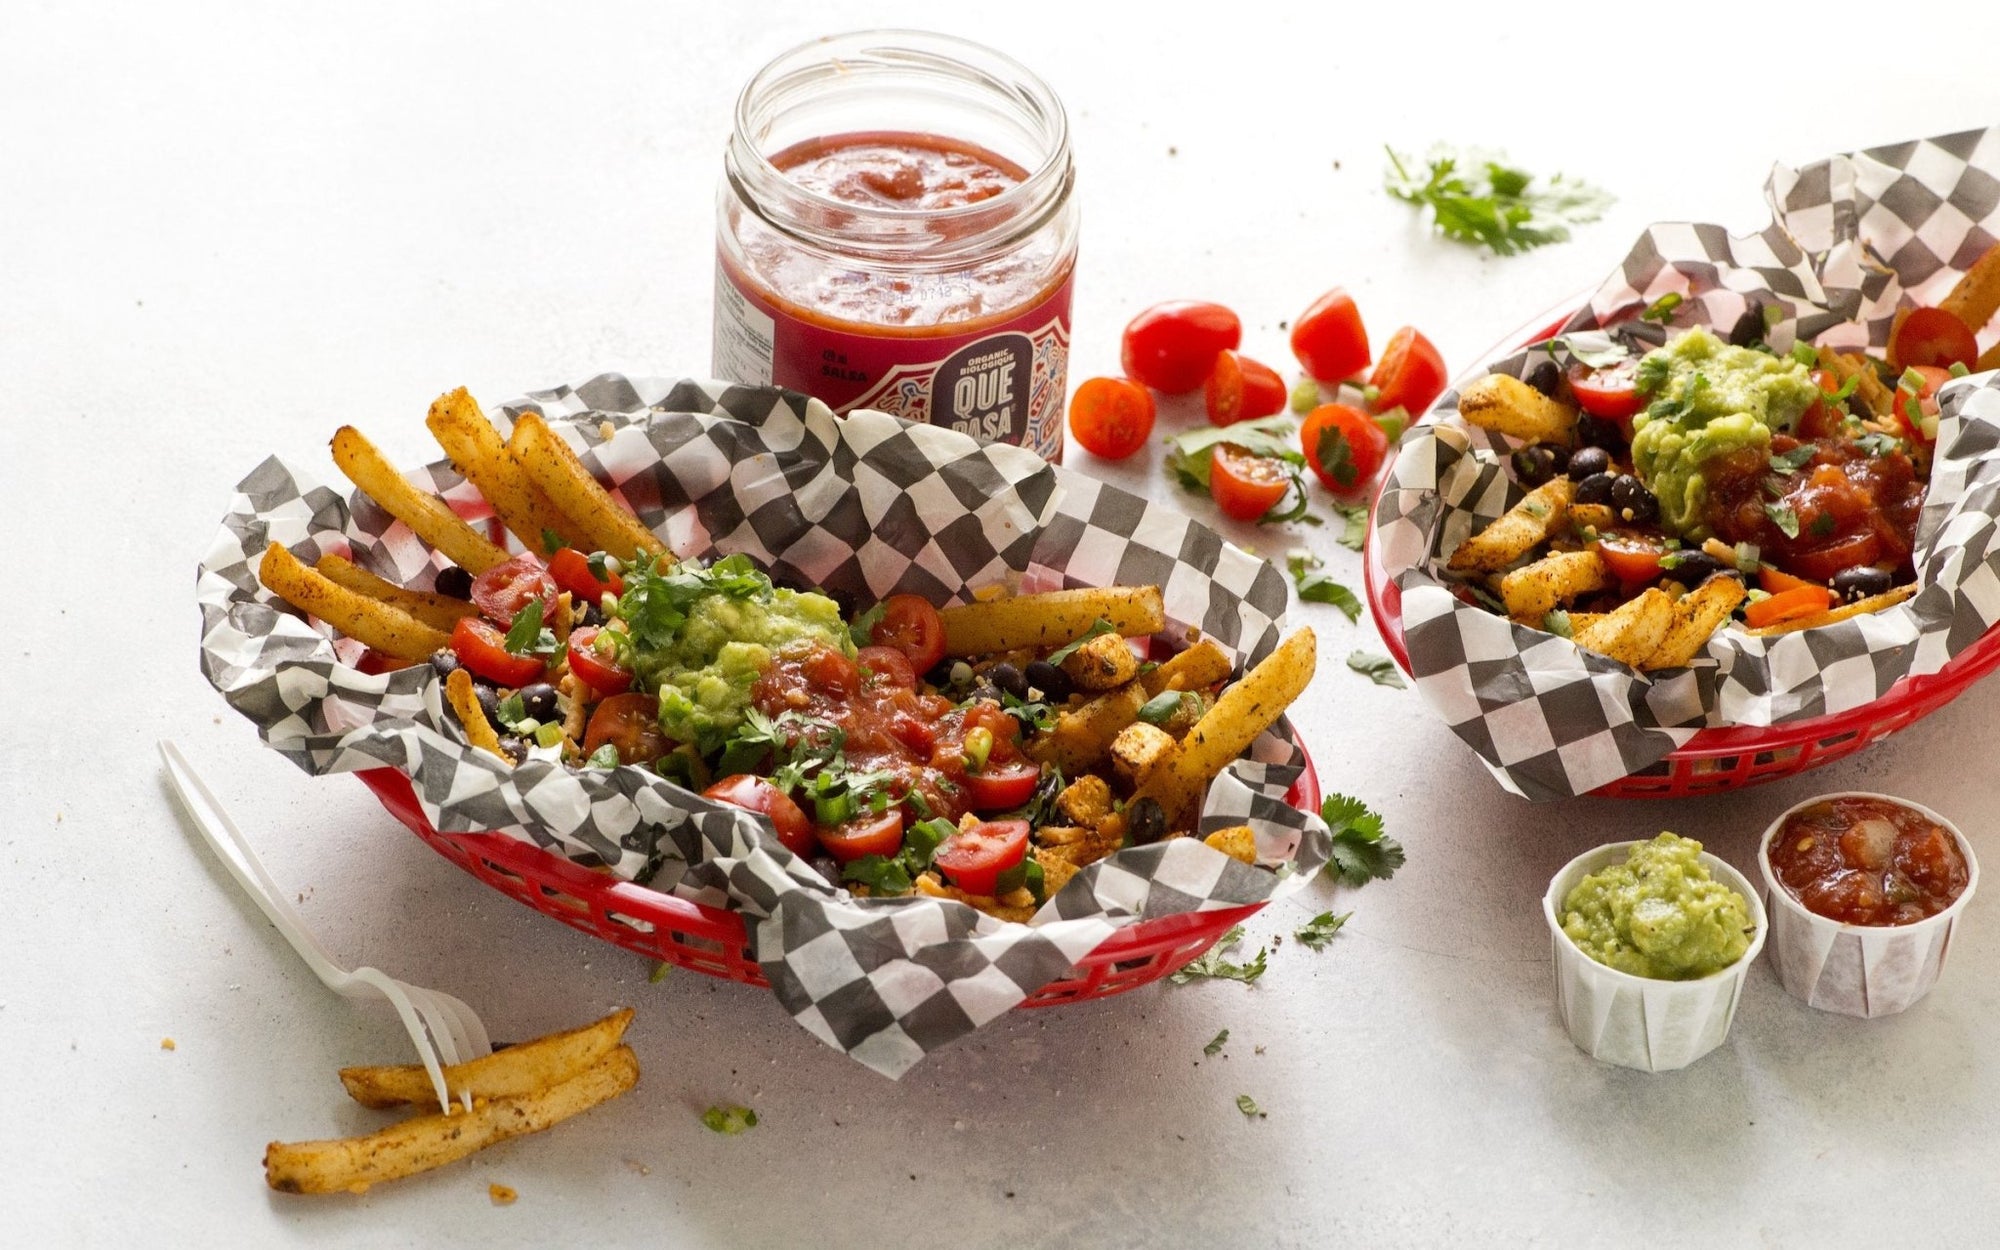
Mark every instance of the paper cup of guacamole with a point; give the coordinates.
(1865, 892)
(1651, 943)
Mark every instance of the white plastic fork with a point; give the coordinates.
(443, 1027)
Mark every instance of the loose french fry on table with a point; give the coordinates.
(556, 469)
(437, 611)
(426, 515)
(351, 1165)
(1697, 615)
(1510, 406)
(1051, 619)
(469, 438)
(506, 1073)
(1539, 513)
(387, 629)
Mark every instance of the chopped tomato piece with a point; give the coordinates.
(888, 665)
(631, 723)
(1608, 392)
(1776, 581)
(1000, 786)
(864, 835)
(1245, 486)
(1932, 337)
(1242, 389)
(1171, 347)
(973, 859)
(483, 649)
(755, 794)
(1633, 559)
(572, 572)
(1822, 563)
(503, 590)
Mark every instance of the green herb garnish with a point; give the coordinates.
(1315, 586)
(1214, 1047)
(729, 1121)
(1248, 1106)
(1361, 852)
(1476, 199)
(1379, 669)
(1212, 962)
(1319, 931)
(1098, 628)
(1355, 535)
(1784, 518)
(526, 635)
(1661, 310)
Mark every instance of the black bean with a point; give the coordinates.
(489, 700)
(1594, 489)
(983, 689)
(1598, 432)
(1050, 680)
(444, 661)
(1009, 679)
(1860, 582)
(516, 748)
(539, 702)
(1145, 821)
(940, 676)
(1536, 463)
(1632, 501)
(1749, 328)
(1588, 462)
(1693, 566)
(592, 615)
(454, 581)
(1545, 377)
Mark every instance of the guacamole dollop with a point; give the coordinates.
(702, 635)
(1708, 399)
(1659, 914)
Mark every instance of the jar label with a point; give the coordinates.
(1001, 383)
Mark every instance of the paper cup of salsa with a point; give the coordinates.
(1661, 908)
(1864, 892)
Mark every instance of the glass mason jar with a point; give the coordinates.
(895, 230)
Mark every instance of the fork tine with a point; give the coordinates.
(407, 1010)
(476, 1043)
(444, 1027)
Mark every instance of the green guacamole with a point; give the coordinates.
(702, 636)
(1659, 914)
(1708, 399)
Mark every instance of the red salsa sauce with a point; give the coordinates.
(893, 169)
(1868, 862)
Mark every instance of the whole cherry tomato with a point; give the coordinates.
(1111, 417)
(1345, 448)
(1329, 339)
(1245, 486)
(1171, 347)
(1410, 374)
(1242, 389)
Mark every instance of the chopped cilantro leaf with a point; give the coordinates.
(552, 542)
(1214, 1048)
(1098, 628)
(729, 1121)
(1336, 457)
(1319, 931)
(1361, 852)
(1356, 517)
(1662, 309)
(526, 635)
(1784, 518)
(1557, 622)
(1315, 586)
(1476, 199)
(863, 628)
(1789, 462)
(886, 878)
(1248, 1106)
(1212, 962)
(1378, 668)
(1878, 444)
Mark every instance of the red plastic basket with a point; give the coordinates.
(710, 940)
(1726, 758)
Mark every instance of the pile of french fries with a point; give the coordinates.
(514, 1091)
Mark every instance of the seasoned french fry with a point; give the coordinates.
(1082, 735)
(1584, 516)
(387, 629)
(426, 515)
(478, 730)
(1202, 664)
(1531, 593)
(1697, 615)
(1976, 296)
(1988, 359)
(435, 610)
(351, 1165)
(555, 468)
(1541, 512)
(507, 1073)
(1238, 842)
(1868, 388)
(1051, 619)
(1504, 403)
(1631, 632)
(1860, 607)
(1245, 710)
(477, 449)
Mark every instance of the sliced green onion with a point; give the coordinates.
(1911, 381)
(548, 735)
(1805, 353)
(978, 747)
(1305, 396)
(1958, 369)
(831, 809)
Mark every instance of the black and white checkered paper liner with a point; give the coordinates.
(863, 506)
(1851, 238)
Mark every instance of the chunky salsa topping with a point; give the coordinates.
(1868, 862)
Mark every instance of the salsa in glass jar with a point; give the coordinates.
(895, 230)
(1867, 861)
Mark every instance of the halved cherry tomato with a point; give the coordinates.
(631, 723)
(889, 665)
(1791, 605)
(1242, 389)
(911, 625)
(1171, 347)
(597, 669)
(1932, 336)
(571, 571)
(1631, 558)
(973, 859)
(1111, 417)
(1608, 392)
(864, 835)
(1245, 486)
(1002, 785)
(754, 794)
(1345, 448)
(1822, 563)
(1329, 339)
(1410, 374)
(503, 590)
(483, 649)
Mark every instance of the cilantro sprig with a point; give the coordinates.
(1190, 457)
(1214, 962)
(1314, 586)
(1361, 851)
(1476, 198)
(1316, 933)
(1379, 669)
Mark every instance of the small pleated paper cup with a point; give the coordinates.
(1640, 1022)
(1854, 969)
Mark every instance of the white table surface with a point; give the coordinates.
(226, 232)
